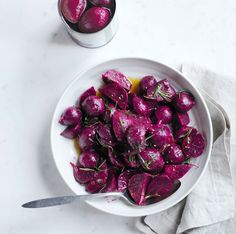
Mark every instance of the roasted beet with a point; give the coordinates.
(161, 135)
(113, 76)
(72, 132)
(181, 133)
(181, 119)
(163, 114)
(136, 137)
(151, 160)
(176, 172)
(131, 132)
(193, 144)
(111, 185)
(87, 138)
(115, 159)
(131, 160)
(104, 3)
(146, 83)
(94, 19)
(93, 106)
(137, 187)
(109, 112)
(152, 104)
(99, 179)
(83, 175)
(183, 101)
(173, 154)
(141, 120)
(89, 92)
(71, 116)
(96, 184)
(163, 91)
(104, 135)
(160, 186)
(149, 199)
(123, 179)
(139, 106)
(121, 122)
(115, 93)
(73, 9)
(89, 159)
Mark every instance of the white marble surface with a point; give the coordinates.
(38, 60)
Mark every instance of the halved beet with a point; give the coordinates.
(94, 19)
(183, 101)
(176, 172)
(114, 159)
(137, 187)
(181, 119)
(139, 105)
(89, 159)
(121, 122)
(99, 179)
(152, 104)
(111, 184)
(113, 76)
(73, 9)
(105, 3)
(72, 132)
(136, 137)
(146, 83)
(115, 93)
(149, 199)
(123, 179)
(161, 135)
(173, 154)
(104, 135)
(87, 138)
(83, 175)
(151, 160)
(181, 133)
(141, 120)
(163, 114)
(193, 144)
(89, 92)
(160, 186)
(109, 112)
(96, 184)
(93, 106)
(162, 91)
(131, 160)
(71, 116)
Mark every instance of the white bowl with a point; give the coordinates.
(64, 151)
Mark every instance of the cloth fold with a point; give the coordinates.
(209, 208)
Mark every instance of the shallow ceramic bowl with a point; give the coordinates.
(64, 151)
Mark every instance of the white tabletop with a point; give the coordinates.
(38, 60)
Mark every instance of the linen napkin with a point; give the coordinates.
(209, 208)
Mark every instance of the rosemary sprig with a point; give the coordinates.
(157, 90)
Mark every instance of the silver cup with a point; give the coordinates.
(93, 40)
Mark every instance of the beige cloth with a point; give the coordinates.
(209, 208)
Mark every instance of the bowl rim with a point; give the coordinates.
(210, 142)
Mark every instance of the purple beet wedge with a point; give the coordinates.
(137, 187)
(113, 76)
(116, 94)
(94, 19)
(72, 10)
